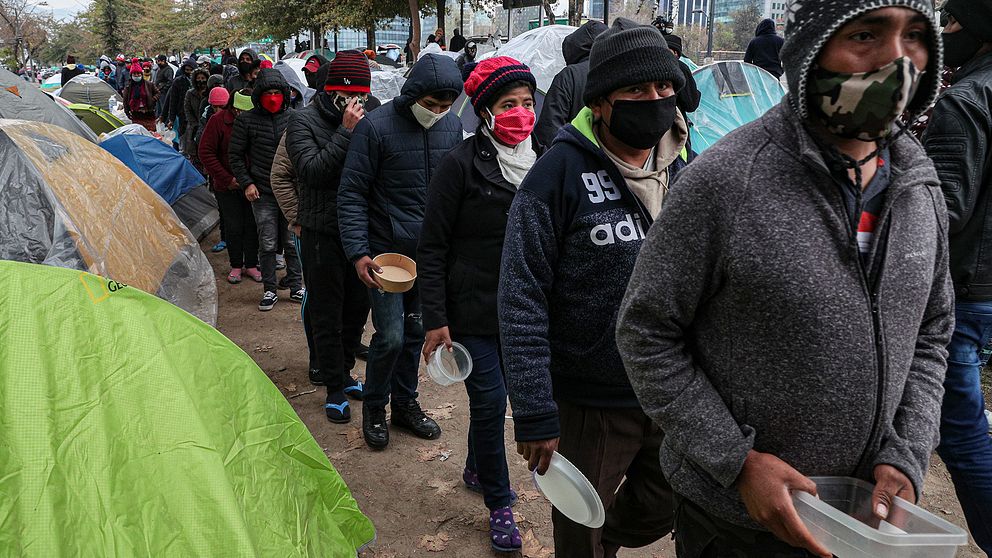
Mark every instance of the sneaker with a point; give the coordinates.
(234, 277)
(374, 428)
(503, 533)
(254, 274)
(316, 378)
(268, 301)
(280, 262)
(219, 247)
(410, 416)
(355, 389)
(471, 479)
(298, 295)
(337, 408)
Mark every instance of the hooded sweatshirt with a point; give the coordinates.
(564, 99)
(390, 162)
(257, 133)
(763, 50)
(235, 81)
(574, 231)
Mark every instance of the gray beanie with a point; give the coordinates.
(811, 23)
(627, 54)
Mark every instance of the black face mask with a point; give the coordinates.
(244, 68)
(200, 84)
(641, 124)
(959, 48)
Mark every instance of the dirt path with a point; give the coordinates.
(413, 491)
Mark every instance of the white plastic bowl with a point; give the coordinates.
(449, 367)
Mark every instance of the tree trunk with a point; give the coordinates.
(550, 12)
(370, 36)
(414, 29)
(440, 15)
(575, 13)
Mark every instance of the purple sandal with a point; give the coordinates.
(471, 480)
(503, 532)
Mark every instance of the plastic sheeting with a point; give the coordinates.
(733, 94)
(20, 99)
(132, 129)
(387, 84)
(129, 428)
(89, 90)
(540, 49)
(67, 203)
(294, 76)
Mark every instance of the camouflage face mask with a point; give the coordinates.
(863, 106)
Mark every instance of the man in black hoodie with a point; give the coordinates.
(254, 140)
(248, 62)
(763, 50)
(163, 81)
(173, 106)
(317, 141)
(564, 99)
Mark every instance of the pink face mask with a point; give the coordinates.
(513, 126)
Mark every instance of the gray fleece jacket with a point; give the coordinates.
(751, 323)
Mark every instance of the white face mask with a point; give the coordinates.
(425, 116)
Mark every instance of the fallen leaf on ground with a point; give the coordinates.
(532, 548)
(439, 452)
(443, 487)
(434, 543)
(353, 437)
(291, 387)
(263, 348)
(441, 412)
(528, 495)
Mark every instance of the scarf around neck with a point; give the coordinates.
(514, 162)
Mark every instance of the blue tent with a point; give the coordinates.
(172, 177)
(733, 94)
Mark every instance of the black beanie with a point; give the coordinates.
(674, 43)
(973, 15)
(811, 23)
(627, 54)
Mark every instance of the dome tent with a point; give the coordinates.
(125, 432)
(733, 94)
(65, 202)
(20, 99)
(88, 89)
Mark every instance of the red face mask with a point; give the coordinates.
(513, 126)
(272, 102)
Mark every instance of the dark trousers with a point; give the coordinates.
(337, 304)
(220, 210)
(487, 418)
(394, 354)
(610, 447)
(700, 535)
(306, 312)
(965, 445)
(271, 226)
(239, 228)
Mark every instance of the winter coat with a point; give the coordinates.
(390, 162)
(213, 151)
(457, 43)
(177, 97)
(285, 186)
(234, 81)
(122, 77)
(751, 321)
(763, 50)
(461, 243)
(190, 122)
(257, 133)
(148, 89)
(318, 145)
(572, 237)
(564, 99)
(957, 140)
(69, 73)
(163, 80)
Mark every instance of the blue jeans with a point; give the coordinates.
(394, 353)
(487, 415)
(965, 445)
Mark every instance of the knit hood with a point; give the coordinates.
(269, 79)
(433, 72)
(811, 23)
(577, 45)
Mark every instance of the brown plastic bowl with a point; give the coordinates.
(398, 272)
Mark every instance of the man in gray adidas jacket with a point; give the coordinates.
(789, 312)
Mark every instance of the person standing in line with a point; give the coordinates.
(190, 123)
(457, 41)
(458, 263)
(391, 158)
(764, 49)
(164, 74)
(957, 140)
(139, 99)
(572, 237)
(789, 313)
(254, 141)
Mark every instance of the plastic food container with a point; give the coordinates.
(842, 520)
(447, 368)
(398, 272)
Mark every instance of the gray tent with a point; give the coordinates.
(88, 90)
(23, 100)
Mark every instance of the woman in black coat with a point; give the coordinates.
(458, 262)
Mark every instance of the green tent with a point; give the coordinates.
(98, 119)
(130, 428)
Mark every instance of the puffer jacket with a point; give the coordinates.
(564, 99)
(317, 144)
(284, 182)
(256, 135)
(390, 162)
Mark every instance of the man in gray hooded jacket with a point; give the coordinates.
(788, 314)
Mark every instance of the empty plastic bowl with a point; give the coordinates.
(449, 367)
(398, 272)
(842, 520)
(571, 493)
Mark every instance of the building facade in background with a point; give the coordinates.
(696, 12)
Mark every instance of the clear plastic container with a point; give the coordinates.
(448, 367)
(842, 520)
